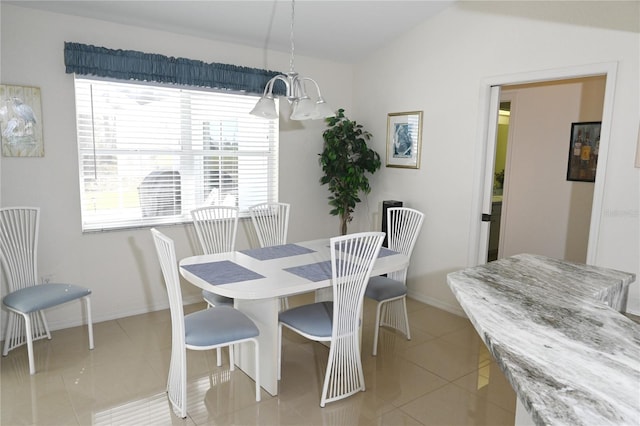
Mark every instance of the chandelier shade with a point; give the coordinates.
(303, 107)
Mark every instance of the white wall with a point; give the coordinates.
(121, 266)
(440, 67)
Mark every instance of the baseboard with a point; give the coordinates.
(454, 309)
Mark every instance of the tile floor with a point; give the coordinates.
(443, 376)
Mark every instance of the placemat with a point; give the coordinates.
(313, 272)
(222, 272)
(276, 252)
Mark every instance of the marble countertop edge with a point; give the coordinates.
(555, 342)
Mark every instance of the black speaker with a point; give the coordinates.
(385, 205)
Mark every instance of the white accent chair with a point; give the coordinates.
(338, 321)
(271, 222)
(403, 226)
(207, 329)
(216, 228)
(27, 300)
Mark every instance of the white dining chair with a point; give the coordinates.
(216, 228)
(403, 227)
(338, 321)
(271, 223)
(27, 300)
(213, 328)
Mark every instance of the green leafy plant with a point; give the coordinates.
(346, 159)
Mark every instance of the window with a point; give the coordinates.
(150, 154)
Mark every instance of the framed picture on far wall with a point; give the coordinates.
(583, 151)
(404, 133)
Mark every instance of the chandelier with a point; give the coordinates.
(302, 106)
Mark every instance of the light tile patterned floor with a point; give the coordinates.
(443, 376)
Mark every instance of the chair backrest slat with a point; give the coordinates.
(19, 227)
(352, 259)
(216, 228)
(403, 227)
(176, 386)
(271, 222)
(168, 263)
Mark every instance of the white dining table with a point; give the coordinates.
(257, 278)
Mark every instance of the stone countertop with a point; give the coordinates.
(555, 329)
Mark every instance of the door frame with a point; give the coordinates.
(484, 163)
(510, 96)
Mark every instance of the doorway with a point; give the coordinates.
(500, 163)
(545, 213)
(486, 157)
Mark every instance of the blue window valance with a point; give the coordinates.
(133, 65)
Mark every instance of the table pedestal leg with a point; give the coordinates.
(264, 312)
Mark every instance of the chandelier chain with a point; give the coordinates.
(303, 107)
(291, 67)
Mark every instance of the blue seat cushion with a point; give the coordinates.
(314, 319)
(216, 299)
(43, 296)
(217, 325)
(383, 288)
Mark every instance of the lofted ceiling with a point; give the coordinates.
(341, 31)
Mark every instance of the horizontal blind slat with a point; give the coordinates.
(149, 155)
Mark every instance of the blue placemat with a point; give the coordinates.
(314, 271)
(223, 272)
(276, 252)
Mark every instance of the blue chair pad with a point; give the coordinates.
(216, 299)
(43, 296)
(218, 325)
(384, 288)
(314, 319)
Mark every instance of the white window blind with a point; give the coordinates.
(150, 154)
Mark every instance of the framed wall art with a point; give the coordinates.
(21, 121)
(404, 136)
(583, 151)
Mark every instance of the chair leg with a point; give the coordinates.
(279, 351)
(177, 381)
(377, 329)
(45, 325)
(219, 356)
(27, 323)
(87, 302)
(344, 376)
(232, 364)
(8, 335)
(257, 356)
(394, 315)
(406, 318)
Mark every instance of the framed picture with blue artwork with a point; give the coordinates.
(404, 136)
(20, 121)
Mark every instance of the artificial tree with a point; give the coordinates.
(346, 159)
